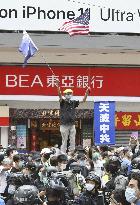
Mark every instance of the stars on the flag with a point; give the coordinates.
(78, 26)
(84, 18)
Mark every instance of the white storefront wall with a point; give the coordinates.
(4, 136)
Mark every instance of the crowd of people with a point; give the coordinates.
(97, 175)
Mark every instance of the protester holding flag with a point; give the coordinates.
(67, 116)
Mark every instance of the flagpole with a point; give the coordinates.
(48, 65)
(54, 73)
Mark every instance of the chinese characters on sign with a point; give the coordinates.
(52, 124)
(127, 120)
(104, 123)
(37, 80)
(80, 81)
(50, 113)
(48, 124)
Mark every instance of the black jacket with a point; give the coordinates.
(87, 198)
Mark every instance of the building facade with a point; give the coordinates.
(33, 103)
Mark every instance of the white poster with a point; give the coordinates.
(21, 136)
(105, 15)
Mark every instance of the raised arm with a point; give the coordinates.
(86, 94)
(58, 90)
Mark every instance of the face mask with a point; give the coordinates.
(130, 195)
(68, 97)
(89, 187)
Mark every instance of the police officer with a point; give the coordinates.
(91, 194)
(112, 167)
(25, 195)
(55, 192)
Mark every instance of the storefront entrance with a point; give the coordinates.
(45, 133)
(37, 128)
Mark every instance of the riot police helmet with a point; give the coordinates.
(75, 167)
(56, 184)
(135, 164)
(26, 194)
(114, 165)
(93, 177)
(51, 170)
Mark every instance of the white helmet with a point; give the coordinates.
(45, 151)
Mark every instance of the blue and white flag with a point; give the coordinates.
(27, 47)
(104, 123)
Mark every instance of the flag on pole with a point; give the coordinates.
(27, 47)
(78, 26)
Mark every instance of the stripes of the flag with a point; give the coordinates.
(75, 28)
(4, 116)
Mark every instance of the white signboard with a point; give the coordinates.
(115, 16)
(106, 15)
(37, 14)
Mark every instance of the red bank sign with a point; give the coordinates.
(39, 80)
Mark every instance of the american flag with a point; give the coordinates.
(78, 26)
